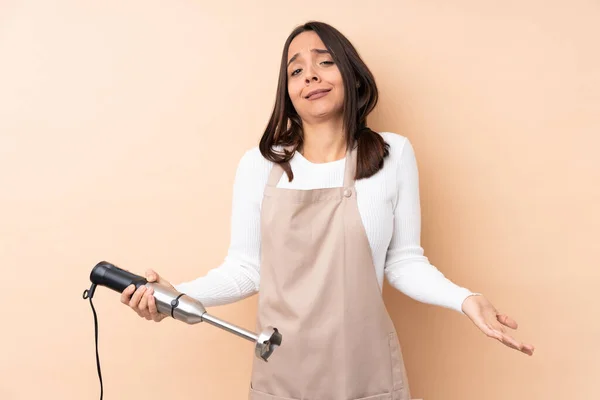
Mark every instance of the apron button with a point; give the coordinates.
(347, 192)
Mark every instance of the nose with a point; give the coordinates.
(311, 75)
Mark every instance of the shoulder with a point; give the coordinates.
(400, 146)
(253, 158)
(253, 167)
(395, 140)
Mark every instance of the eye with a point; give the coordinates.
(295, 72)
(327, 62)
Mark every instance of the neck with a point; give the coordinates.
(324, 142)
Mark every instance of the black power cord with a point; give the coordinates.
(88, 294)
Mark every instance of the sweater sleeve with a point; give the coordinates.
(406, 268)
(238, 276)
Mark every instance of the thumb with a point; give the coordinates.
(152, 276)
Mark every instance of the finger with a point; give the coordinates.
(153, 310)
(502, 338)
(493, 329)
(507, 321)
(143, 306)
(490, 331)
(497, 327)
(512, 342)
(126, 293)
(151, 275)
(525, 348)
(509, 340)
(135, 299)
(530, 348)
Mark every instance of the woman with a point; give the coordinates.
(323, 208)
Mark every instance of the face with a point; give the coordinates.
(314, 81)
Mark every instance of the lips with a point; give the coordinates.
(316, 93)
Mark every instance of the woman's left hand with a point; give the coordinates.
(485, 316)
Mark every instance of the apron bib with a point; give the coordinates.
(319, 288)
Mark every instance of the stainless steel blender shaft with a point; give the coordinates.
(189, 310)
(229, 327)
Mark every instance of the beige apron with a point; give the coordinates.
(318, 287)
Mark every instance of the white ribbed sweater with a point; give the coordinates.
(389, 207)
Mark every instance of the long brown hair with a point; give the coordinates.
(285, 126)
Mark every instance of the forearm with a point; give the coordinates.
(423, 282)
(228, 283)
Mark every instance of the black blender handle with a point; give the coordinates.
(115, 278)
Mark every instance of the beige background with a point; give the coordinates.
(121, 126)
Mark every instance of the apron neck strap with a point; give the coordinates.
(350, 168)
(275, 175)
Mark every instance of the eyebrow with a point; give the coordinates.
(318, 51)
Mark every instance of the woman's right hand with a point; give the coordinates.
(142, 301)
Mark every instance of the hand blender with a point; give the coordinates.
(178, 305)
